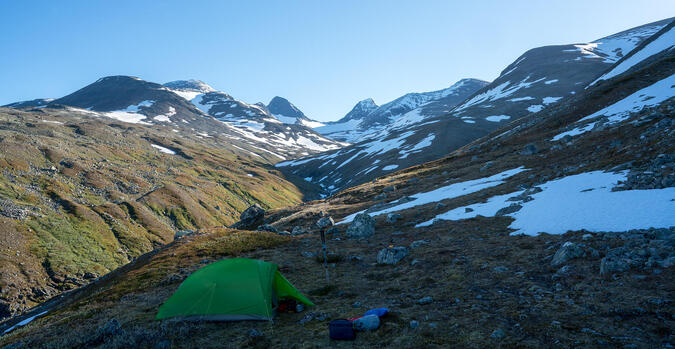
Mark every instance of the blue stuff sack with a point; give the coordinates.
(380, 312)
(341, 330)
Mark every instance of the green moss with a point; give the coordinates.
(181, 218)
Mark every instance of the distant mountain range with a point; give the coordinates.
(194, 106)
(417, 128)
(367, 118)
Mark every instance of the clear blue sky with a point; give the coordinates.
(322, 55)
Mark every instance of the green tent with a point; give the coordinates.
(231, 289)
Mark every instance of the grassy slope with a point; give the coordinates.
(94, 195)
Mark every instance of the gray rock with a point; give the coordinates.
(325, 222)
(425, 300)
(419, 243)
(529, 149)
(468, 209)
(563, 272)
(267, 227)
(367, 323)
(391, 255)
(587, 237)
(249, 217)
(251, 213)
(612, 264)
(567, 251)
(414, 324)
(508, 209)
(307, 254)
(298, 230)
(380, 196)
(393, 217)
(389, 189)
(362, 226)
(498, 334)
(500, 269)
(254, 333)
(486, 166)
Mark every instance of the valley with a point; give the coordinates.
(536, 210)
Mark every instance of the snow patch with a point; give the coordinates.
(535, 108)
(24, 322)
(664, 42)
(163, 149)
(497, 118)
(446, 192)
(550, 100)
(583, 201)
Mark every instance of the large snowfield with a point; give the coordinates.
(447, 192)
(583, 201)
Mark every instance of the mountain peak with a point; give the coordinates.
(190, 85)
(361, 110)
(367, 103)
(281, 106)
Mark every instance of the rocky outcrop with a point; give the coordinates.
(250, 218)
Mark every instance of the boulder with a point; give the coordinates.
(391, 255)
(567, 251)
(613, 264)
(362, 226)
(248, 219)
(529, 149)
(393, 217)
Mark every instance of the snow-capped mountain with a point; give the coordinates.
(537, 80)
(255, 121)
(288, 113)
(366, 118)
(193, 106)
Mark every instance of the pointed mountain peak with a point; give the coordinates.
(281, 106)
(190, 85)
(366, 104)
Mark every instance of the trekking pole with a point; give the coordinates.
(325, 254)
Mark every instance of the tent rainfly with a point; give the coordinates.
(230, 290)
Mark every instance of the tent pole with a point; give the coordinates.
(325, 254)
